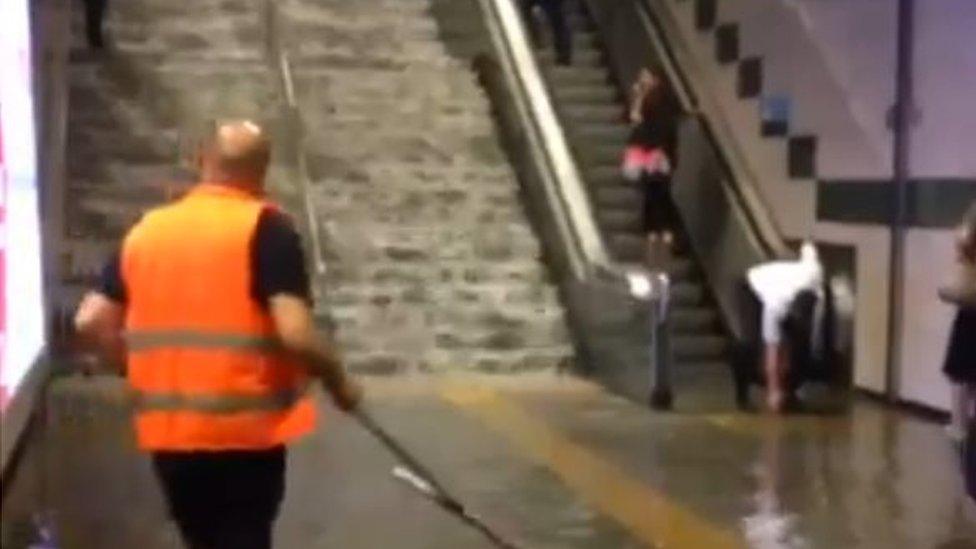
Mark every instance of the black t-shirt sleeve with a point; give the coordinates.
(277, 259)
(111, 284)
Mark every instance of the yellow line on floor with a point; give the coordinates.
(647, 514)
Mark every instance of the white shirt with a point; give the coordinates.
(778, 283)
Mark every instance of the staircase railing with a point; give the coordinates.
(291, 127)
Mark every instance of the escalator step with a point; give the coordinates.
(592, 113)
(607, 176)
(620, 219)
(559, 76)
(686, 320)
(579, 22)
(687, 294)
(680, 269)
(626, 247)
(585, 39)
(582, 57)
(699, 347)
(608, 132)
(616, 196)
(595, 153)
(596, 93)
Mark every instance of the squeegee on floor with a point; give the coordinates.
(415, 475)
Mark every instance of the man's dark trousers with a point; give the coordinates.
(557, 20)
(94, 21)
(223, 500)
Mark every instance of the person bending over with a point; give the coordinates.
(778, 284)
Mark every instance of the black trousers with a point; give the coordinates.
(223, 500)
(94, 20)
(557, 20)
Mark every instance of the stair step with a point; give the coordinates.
(687, 294)
(582, 57)
(560, 76)
(607, 176)
(620, 219)
(592, 152)
(607, 133)
(681, 269)
(593, 93)
(583, 38)
(592, 113)
(613, 196)
(699, 347)
(687, 320)
(627, 247)
(579, 22)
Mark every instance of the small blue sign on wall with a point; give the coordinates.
(774, 111)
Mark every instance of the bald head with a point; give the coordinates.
(237, 154)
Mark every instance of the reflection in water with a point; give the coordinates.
(870, 479)
(771, 525)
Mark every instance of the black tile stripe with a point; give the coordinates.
(750, 77)
(775, 128)
(706, 14)
(727, 43)
(802, 159)
(932, 203)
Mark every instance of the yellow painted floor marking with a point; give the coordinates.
(647, 514)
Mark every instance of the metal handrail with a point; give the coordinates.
(280, 62)
(563, 185)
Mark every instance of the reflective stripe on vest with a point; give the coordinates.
(218, 404)
(147, 340)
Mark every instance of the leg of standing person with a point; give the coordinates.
(94, 22)
(186, 488)
(961, 410)
(561, 34)
(775, 357)
(223, 500)
(255, 485)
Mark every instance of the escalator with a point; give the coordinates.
(589, 104)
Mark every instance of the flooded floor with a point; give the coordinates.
(548, 461)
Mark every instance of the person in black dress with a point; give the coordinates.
(649, 158)
(960, 363)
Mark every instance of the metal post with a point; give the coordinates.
(662, 396)
(904, 106)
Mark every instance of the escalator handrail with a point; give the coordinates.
(743, 187)
(566, 192)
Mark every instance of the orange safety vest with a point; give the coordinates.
(203, 358)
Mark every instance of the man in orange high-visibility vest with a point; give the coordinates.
(208, 302)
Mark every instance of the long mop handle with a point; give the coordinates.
(417, 476)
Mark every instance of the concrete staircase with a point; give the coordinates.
(432, 262)
(591, 112)
(170, 65)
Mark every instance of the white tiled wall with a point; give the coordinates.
(928, 262)
(872, 245)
